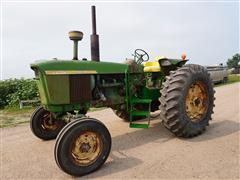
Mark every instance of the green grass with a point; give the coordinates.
(13, 116)
(233, 78)
(17, 110)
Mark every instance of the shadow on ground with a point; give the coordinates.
(218, 130)
(158, 134)
(120, 161)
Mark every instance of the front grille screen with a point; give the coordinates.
(80, 88)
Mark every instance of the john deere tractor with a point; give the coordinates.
(68, 88)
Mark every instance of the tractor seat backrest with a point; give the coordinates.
(151, 66)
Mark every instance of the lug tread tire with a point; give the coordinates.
(63, 142)
(37, 129)
(173, 96)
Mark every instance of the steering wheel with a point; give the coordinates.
(141, 56)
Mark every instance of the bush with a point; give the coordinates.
(13, 90)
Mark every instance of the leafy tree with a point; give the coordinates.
(234, 61)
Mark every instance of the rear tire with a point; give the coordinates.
(82, 146)
(44, 126)
(187, 101)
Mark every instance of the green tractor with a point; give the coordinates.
(68, 88)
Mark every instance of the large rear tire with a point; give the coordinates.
(44, 126)
(187, 101)
(82, 146)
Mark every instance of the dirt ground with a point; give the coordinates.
(152, 153)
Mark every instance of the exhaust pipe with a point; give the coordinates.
(94, 38)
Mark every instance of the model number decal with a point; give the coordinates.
(70, 72)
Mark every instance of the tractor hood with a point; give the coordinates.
(50, 67)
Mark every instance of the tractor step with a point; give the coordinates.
(141, 101)
(140, 113)
(135, 125)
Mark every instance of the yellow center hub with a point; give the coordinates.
(196, 101)
(48, 123)
(86, 148)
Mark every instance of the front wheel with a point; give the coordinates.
(82, 146)
(187, 100)
(44, 126)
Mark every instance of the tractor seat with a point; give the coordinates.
(151, 66)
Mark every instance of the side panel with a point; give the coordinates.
(58, 89)
(153, 94)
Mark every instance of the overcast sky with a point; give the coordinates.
(207, 32)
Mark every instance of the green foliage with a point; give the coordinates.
(234, 61)
(13, 90)
(233, 78)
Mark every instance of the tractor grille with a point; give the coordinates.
(80, 88)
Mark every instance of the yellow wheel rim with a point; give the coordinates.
(86, 148)
(196, 101)
(48, 123)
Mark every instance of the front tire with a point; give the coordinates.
(187, 101)
(82, 146)
(44, 126)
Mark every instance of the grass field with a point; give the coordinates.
(233, 78)
(14, 116)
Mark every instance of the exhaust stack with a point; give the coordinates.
(94, 38)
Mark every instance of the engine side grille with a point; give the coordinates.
(80, 88)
